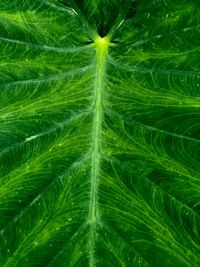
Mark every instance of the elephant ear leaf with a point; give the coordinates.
(99, 133)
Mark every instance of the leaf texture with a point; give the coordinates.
(99, 133)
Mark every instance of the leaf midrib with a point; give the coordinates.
(93, 216)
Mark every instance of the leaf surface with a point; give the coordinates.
(99, 133)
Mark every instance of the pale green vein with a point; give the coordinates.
(101, 45)
(67, 244)
(65, 50)
(48, 131)
(158, 36)
(151, 128)
(56, 77)
(81, 160)
(108, 244)
(129, 68)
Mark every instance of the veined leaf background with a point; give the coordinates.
(100, 133)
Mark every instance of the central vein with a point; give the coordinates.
(101, 45)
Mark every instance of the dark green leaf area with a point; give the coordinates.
(103, 14)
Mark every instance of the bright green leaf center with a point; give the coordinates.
(102, 42)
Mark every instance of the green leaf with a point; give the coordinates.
(100, 133)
